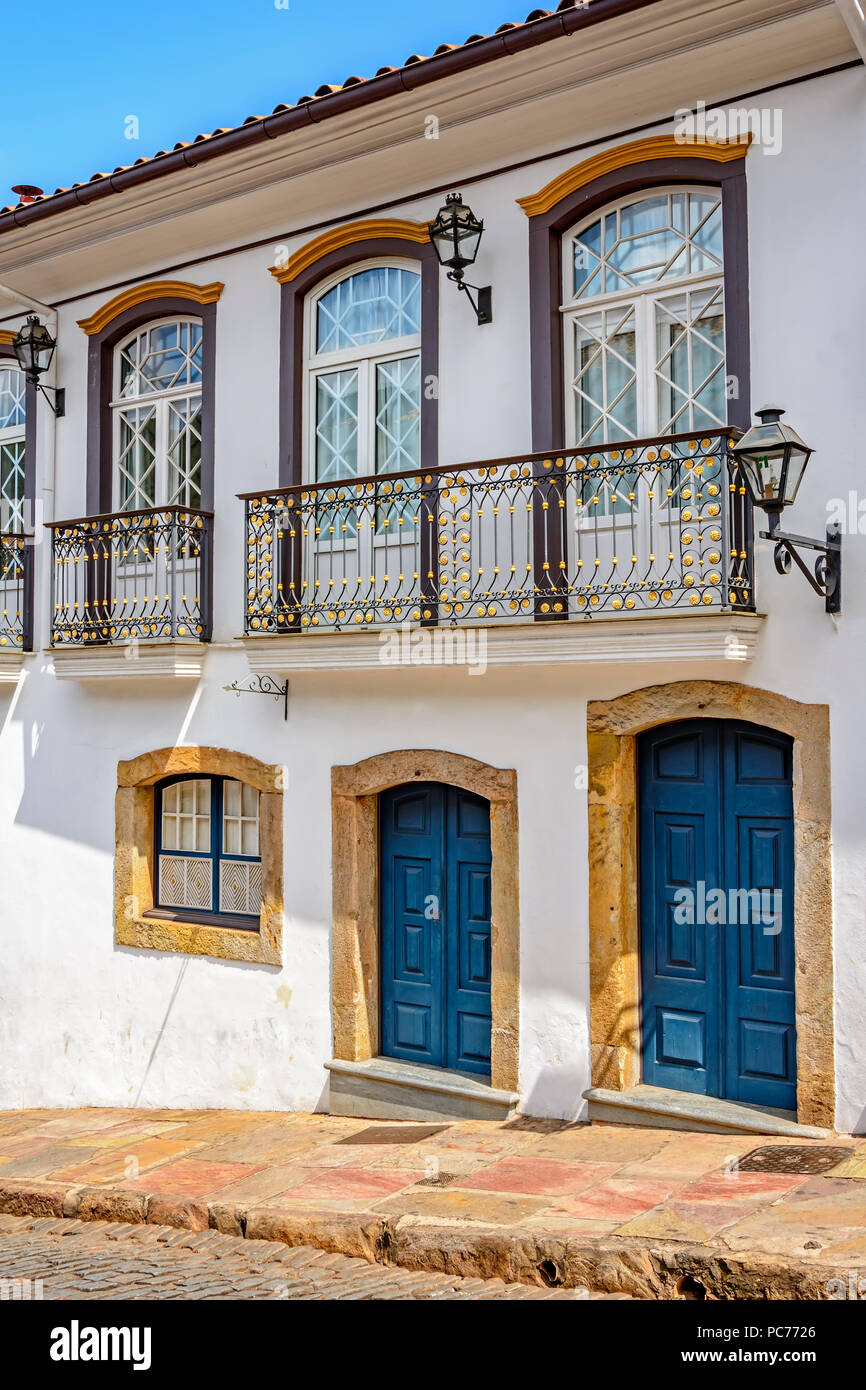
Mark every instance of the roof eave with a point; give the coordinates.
(506, 42)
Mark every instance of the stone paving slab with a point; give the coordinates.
(621, 1195)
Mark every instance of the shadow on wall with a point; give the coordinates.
(73, 753)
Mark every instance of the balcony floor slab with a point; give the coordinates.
(11, 664)
(163, 660)
(683, 637)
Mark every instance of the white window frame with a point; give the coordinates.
(643, 300)
(366, 359)
(11, 435)
(160, 400)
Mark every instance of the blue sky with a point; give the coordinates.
(181, 66)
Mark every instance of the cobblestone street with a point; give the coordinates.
(101, 1260)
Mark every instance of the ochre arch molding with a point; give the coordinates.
(141, 294)
(7, 337)
(621, 156)
(614, 950)
(350, 234)
(355, 902)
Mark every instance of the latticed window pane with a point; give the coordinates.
(184, 452)
(370, 307)
(336, 426)
(12, 424)
(645, 326)
(667, 236)
(162, 358)
(136, 462)
(186, 816)
(240, 819)
(605, 383)
(158, 405)
(690, 361)
(398, 415)
(12, 486)
(12, 397)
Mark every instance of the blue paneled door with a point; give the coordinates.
(435, 927)
(717, 832)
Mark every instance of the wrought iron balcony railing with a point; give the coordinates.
(132, 576)
(652, 526)
(16, 592)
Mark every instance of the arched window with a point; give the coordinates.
(12, 428)
(157, 416)
(207, 847)
(363, 335)
(643, 318)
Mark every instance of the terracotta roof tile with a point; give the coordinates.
(328, 90)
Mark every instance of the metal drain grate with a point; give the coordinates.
(393, 1134)
(442, 1180)
(798, 1158)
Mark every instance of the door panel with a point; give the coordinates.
(468, 932)
(412, 965)
(760, 1062)
(679, 843)
(435, 936)
(716, 813)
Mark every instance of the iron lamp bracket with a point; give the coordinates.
(58, 405)
(826, 576)
(483, 305)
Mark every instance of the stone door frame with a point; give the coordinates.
(612, 730)
(355, 791)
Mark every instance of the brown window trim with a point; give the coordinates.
(546, 291)
(293, 295)
(100, 363)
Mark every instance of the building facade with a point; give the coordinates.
(384, 695)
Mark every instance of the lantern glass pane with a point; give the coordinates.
(24, 352)
(470, 239)
(796, 468)
(769, 471)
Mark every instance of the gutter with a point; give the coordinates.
(577, 16)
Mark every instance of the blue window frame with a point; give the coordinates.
(208, 861)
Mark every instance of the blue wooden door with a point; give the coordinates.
(435, 927)
(716, 908)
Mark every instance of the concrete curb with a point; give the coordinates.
(643, 1269)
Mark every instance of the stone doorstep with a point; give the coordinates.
(541, 1258)
(385, 1089)
(661, 1108)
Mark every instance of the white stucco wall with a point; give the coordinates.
(85, 1022)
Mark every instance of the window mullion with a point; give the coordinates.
(160, 482)
(646, 359)
(216, 839)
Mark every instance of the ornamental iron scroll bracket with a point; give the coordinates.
(827, 578)
(483, 305)
(262, 685)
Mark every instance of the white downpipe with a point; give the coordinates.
(854, 14)
(28, 302)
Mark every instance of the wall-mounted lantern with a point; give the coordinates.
(772, 459)
(456, 234)
(34, 348)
